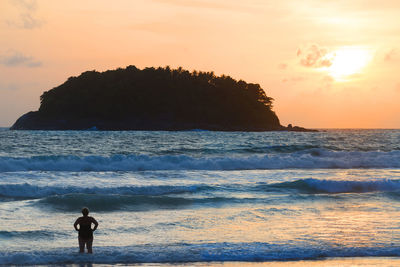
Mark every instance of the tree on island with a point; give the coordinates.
(153, 99)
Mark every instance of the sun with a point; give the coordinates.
(347, 62)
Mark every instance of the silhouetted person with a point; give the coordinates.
(85, 230)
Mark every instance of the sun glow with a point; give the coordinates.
(347, 62)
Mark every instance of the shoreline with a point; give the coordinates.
(327, 262)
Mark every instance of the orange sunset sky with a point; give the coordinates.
(327, 64)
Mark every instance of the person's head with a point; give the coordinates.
(85, 211)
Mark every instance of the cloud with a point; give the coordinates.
(228, 6)
(29, 22)
(26, 4)
(314, 56)
(389, 56)
(27, 18)
(294, 79)
(282, 66)
(328, 79)
(8, 87)
(15, 58)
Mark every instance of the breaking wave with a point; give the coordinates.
(186, 253)
(334, 186)
(180, 194)
(308, 159)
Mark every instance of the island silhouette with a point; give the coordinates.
(154, 99)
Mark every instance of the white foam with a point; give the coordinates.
(184, 253)
(310, 159)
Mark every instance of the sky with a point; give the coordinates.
(327, 64)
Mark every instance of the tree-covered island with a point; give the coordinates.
(153, 99)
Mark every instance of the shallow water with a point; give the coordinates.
(199, 196)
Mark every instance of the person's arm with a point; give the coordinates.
(76, 224)
(95, 224)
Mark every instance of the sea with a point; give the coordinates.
(199, 196)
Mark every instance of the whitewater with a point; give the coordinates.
(199, 196)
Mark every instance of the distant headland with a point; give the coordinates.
(154, 99)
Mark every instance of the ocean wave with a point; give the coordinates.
(308, 159)
(282, 148)
(33, 234)
(189, 194)
(73, 202)
(187, 253)
(32, 191)
(316, 186)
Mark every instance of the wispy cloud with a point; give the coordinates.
(27, 18)
(314, 56)
(26, 4)
(282, 66)
(391, 55)
(227, 6)
(294, 79)
(8, 87)
(15, 58)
